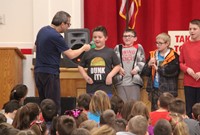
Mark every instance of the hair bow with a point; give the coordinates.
(74, 113)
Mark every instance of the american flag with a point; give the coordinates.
(132, 10)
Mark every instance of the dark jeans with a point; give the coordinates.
(48, 86)
(192, 96)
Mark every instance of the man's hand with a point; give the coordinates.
(86, 47)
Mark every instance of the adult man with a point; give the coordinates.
(49, 46)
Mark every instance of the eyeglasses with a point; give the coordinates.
(160, 43)
(69, 24)
(128, 36)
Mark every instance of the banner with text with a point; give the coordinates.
(178, 38)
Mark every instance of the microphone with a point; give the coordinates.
(92, 44)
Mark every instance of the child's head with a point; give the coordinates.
(99, 102)
(139, 108)
(120, 124)
(116, 103)
(89, 124)
(7, 129)
(107, 117)
(100, 35)
(165, 99)
(194, 29)
(25, 115)
(48, 108)
(126, 109)
(163, 41)
(179, 127)
(19, 93)
(65, 125)
(162, 127)
(103, 130)
(78, 115)
(80, 131)
(83, 101)
(196, 111)
(138, 125)
(177, 106)
(129, 37)
(11, 108)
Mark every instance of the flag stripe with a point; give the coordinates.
(133, 9)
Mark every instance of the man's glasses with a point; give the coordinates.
(128, 36)
(69, 24)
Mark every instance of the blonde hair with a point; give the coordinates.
(103, 130)
(165, 37)
(179, 127)
(99, 102)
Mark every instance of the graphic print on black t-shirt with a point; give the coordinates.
(97, 69)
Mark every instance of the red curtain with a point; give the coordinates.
(154, 17)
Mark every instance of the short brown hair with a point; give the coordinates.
(195, 21)
(196, 111)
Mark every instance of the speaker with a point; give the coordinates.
(67, 103)
(75, 38)
(32, 100)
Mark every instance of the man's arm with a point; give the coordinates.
(75, 53)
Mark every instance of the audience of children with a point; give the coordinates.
(98, 114)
